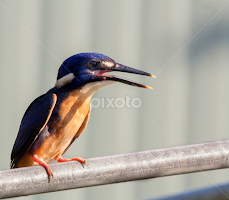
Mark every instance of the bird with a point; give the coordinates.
(54, 120)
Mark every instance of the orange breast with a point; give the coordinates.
(72, 112)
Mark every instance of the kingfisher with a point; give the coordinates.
(54, 120)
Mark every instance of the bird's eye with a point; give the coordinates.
(93, 64)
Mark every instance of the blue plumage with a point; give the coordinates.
(54, 120)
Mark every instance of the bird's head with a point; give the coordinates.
(83, 68)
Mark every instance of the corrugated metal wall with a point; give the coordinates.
(184, 43)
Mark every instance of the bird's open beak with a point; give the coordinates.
(122, 68)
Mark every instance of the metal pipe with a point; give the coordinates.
(209, 193)
(115, 169)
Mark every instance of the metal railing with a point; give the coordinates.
(219, 192)
(115, 169)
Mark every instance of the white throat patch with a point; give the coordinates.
(64, 80)
(91, 88)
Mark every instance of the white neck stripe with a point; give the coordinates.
(64, 80)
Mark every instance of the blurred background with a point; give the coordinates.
(184, 43)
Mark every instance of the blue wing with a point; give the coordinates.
(34, 120)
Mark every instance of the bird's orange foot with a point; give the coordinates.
(45, 165)
(81, 160)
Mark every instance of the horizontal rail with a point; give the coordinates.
(210, 193)
(115, 169)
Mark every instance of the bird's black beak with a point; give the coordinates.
(122, 68)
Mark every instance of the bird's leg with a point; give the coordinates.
(81, 160)
(44, 164)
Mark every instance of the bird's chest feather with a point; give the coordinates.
(66, 120)
(71, 114)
